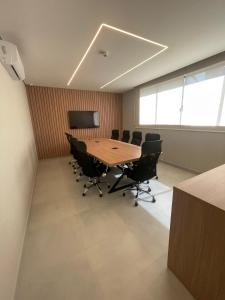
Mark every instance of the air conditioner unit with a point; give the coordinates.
(10, 59)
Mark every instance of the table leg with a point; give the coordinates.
(114, 188)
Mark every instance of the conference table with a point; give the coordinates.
(113, 153)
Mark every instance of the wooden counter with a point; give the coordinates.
(197, 234)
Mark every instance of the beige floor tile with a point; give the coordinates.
(81, 248)
(171, 175)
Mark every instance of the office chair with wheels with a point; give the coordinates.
(69, 137)
(115, 134)
(92, 169)
(126, 136)
(152, 137)
(136, 138)
(144, 169)
(72, 162)
(76, 154)
(152, 147)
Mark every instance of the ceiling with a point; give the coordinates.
(53, 36)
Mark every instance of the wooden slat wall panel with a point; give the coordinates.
(49, 107)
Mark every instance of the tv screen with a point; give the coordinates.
(83, 119)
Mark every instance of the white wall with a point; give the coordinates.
(18, 161)
(189, 148)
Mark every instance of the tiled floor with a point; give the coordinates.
(94, 248)
(170, 175)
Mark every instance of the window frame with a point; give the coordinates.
(200, 128)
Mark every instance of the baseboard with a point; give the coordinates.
(25, 231)
(196, 171)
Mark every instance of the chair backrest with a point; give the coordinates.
(126, 136)
(152, 137)
(82, 156)
(74, 146)
(68, 136)
(82, 147)
(86, 162)
(151, 147)
(115, 134)
(136, 138)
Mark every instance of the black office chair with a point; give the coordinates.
(69, 136)
(76, 154)
(144, 169)
(152, 137)
(73, 161)
(115, 134)
(136, 138)
(126, 136)
(90, 168)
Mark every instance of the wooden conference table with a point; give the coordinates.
(112, 153)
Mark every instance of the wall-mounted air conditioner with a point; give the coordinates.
(10, 59)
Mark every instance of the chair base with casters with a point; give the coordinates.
(94, 182)
(139, 190)
(78, 176)
(75, 169)
(75, 166)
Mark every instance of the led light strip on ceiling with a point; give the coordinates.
(131, 69)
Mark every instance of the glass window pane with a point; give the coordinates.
(201, 102)
(168, 106)
(147, 110)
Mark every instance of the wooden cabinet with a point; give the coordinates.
(197, 234)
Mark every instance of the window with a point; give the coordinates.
(169, 102)
(197, 99)
(147, 110)
(201, 102)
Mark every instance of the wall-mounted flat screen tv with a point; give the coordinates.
(83, 119)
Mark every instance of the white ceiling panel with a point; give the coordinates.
(124, 52)
(52, 36)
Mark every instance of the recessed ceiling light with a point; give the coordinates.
(164, 47)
